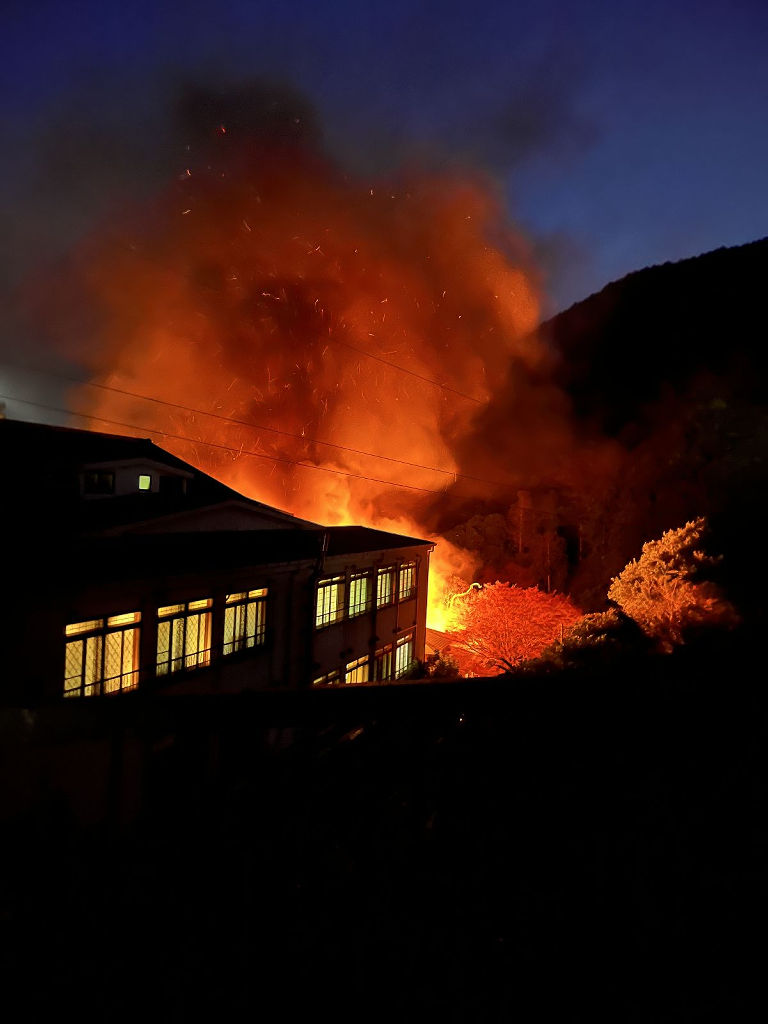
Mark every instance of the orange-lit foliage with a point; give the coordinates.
(501, 625)
(665, 591)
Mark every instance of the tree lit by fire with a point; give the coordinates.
(497, 626)
(666, 591)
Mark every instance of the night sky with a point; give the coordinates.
(620, 134)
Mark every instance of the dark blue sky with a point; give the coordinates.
(621, 133)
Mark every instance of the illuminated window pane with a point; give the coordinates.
(360, 594)
(124, 620)
(183, 636)
(357, 671)
(163, 647)
(329, 679)
(245, 619)
(382, 663)
(145, 481)
(330, 601)
(407, 580)
(404, 659)
(170, 609)
(104, 661)
(83, 627)
(385, 586)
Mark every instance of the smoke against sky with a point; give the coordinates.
(621, 134)
(327, 342)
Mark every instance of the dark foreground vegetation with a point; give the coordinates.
(477, 850)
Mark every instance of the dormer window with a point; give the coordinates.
(99, 481)
(145, 482)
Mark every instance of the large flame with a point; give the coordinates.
(319, 344)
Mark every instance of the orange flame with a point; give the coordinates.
(318, 345)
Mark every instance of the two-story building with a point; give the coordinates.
(127, 568)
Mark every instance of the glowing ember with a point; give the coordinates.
(318, 344)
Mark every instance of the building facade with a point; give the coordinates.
(136, 571)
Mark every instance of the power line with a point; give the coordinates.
(541, 513)
(222, 447)
(254, 426)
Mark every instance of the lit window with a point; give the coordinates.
(245, 619)
(329, 679)
(404, 659)
(102, 656)
(360, 593)
(183, 636)
(382, 663)
(385, 586)
(330, 601)
(145, 481)
(357, 671)
(407, 580)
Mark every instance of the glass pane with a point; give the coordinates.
(170, 609)
(73, 667)
(261, 621)
(92, 668)
(124, 620)
(192, 637)
(229, 629)
(83, 627)
(163, 647)
(113, 655)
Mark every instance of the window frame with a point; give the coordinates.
(412, 569)
(403, 643)
(247, 610)
(184, 612)
(334, 612)
(92, 637)
(384, 656)
(332, 678)
(358, 608)
(352, 667)
(384, 572)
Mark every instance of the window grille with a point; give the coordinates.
(404, 659)
(407, 580)
(385, 586)
(330, 601)
(245, 620)
(357, 671)
(183, 636)
(102, 655)
(360, 593)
